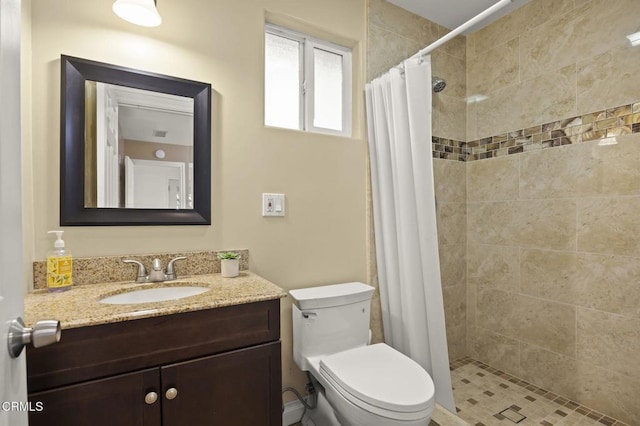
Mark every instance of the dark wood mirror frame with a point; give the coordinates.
(72, 145)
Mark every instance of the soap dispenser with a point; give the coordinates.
(59, 265)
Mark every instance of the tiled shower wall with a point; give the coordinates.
(553, 235)
(554, 270)
(545, 243)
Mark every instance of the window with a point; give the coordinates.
(307, 83)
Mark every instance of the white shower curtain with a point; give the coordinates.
(399, 127)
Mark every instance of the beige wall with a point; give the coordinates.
(322, 238)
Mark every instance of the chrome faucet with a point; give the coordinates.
(157, 272)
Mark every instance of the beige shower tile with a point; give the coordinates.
(549, 274)
(604, 282)
(544, 323)
(609, 225)
(455, 303)
(497, 350)
(457, 341)
(452, 223)
(491, 222)
(577, 36)
(529, 16)
(471, 307)
(609, 392)
(457, 46)
(493, 180)
(547, 324)
(451, 112)
(472, 122)
(600, 389)
(536, 223)
(491, 266)
(609, 341)
(555, 43)
(582, 170)
(542, 99)
(552, 371)
(608, 79)
(452, 264)
(494, 69)
(560, 172)
(386, 49)
(450, 180)
(546, 223)
(610, 282)
(454, 298)
(377, 333)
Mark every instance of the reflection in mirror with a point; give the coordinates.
(138, 148)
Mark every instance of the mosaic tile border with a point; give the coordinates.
(104, 269)
(563, 403)
(611, 122)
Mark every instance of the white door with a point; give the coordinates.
(154, 184)
(108, 166)
(13, 376)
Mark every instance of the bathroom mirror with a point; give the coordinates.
(135, 147)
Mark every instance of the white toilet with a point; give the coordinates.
(364, 385)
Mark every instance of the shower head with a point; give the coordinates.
(438, 84)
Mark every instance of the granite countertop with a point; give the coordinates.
(80, 306)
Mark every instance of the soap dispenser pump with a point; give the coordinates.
(59, 265)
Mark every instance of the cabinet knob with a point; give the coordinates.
(151, 398)
(171, 393)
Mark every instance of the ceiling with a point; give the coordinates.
(142, 113)
(453, 13)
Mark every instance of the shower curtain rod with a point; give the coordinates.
(453, 33)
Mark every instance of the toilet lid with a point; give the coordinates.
(380, 376)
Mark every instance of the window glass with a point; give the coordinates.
(327, 79)
(282, 82)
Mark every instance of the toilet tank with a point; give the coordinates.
(329, 319)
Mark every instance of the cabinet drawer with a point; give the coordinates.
(99, 351)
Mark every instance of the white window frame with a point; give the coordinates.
(306, 67)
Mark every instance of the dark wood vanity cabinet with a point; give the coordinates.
(214, 367)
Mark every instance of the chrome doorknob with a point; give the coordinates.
(43, 333)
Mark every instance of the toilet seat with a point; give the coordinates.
(381, 380)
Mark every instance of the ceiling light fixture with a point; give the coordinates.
(634, 38)
(139, 12)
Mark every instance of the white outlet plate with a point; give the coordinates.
(272, 204)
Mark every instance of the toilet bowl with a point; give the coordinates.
(361, 384)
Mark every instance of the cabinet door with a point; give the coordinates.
(118, 400)
(238, 388)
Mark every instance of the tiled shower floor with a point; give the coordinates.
(482, 393)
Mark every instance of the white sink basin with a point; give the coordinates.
(150, 295)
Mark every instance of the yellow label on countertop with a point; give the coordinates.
(59, 271)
